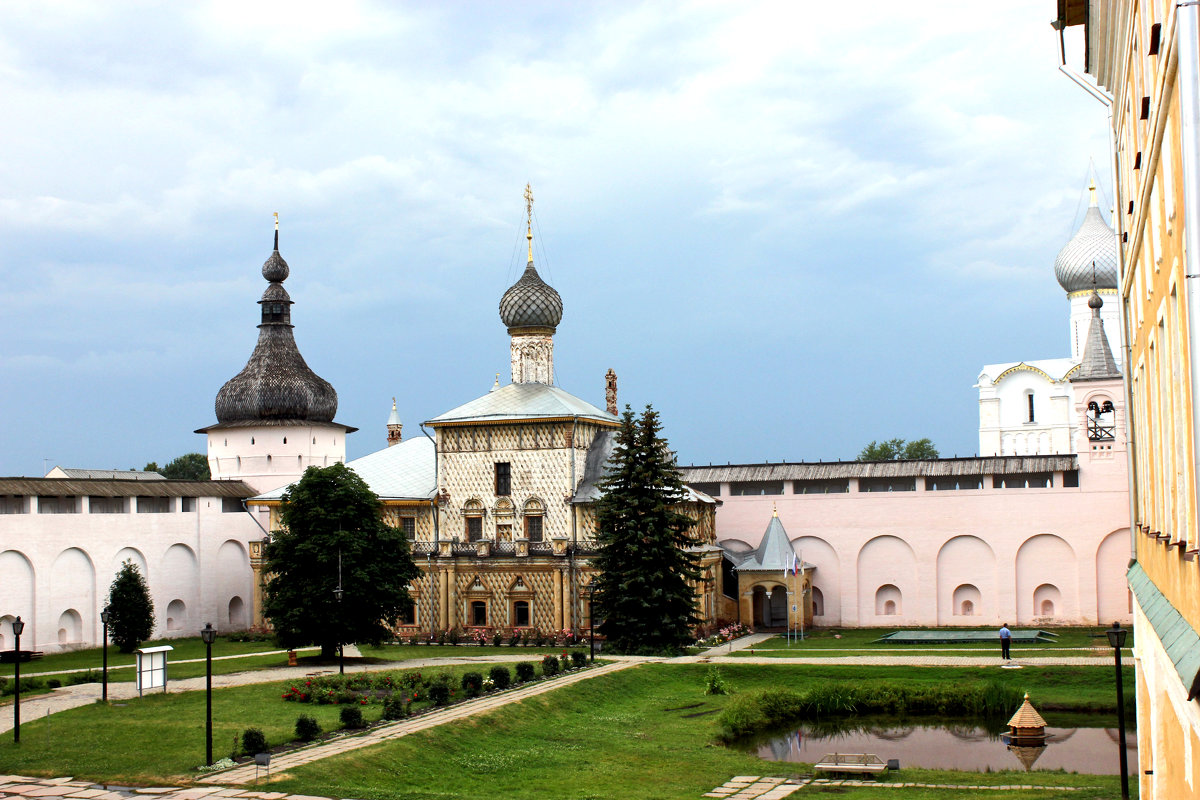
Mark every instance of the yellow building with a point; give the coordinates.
(1145, 54)
(497, 497)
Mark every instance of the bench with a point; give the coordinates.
(10, 656)
(851, 763)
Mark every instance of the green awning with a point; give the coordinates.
(1178, 638)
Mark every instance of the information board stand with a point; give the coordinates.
(152, 668)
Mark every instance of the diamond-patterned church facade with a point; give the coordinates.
(497, 502)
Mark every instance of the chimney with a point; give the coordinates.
(610, 392)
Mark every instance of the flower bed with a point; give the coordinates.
(727, 633)
(496, 637)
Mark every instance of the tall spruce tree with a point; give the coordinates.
(332, 511)
(646, 569)
(130, 612)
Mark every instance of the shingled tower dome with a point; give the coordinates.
(531, 310)
(1087, 264)
(275, 417)
(276, 384)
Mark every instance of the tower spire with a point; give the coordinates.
(277, 231)
(1092, 202)
(529, 219)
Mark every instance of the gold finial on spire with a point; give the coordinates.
(393, 404)
(276, 220)
(1092, 192)
(774, 510)
(529, 219)
(276, 230)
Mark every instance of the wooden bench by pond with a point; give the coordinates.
(851, 763)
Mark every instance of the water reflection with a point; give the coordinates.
(964, 746)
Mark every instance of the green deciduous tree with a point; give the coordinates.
(188, 467)
(644, 562)
(131, 614)
(892, 449)
(332, 511)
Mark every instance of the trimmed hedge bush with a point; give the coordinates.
(352, 717)
(395, 707)
(439, 690)
(501, 677)
(525, 671)
(307, 728)
(550, 666)
(472, 684)
(578, 658)
(254, 742)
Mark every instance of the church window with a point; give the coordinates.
(474, 529)
(1029, 401)
(533, 528)
(408, 526)
(285, 440)
(1071, 478)
(521, 614)
(887, 484)
(743, 488)
(711, 488)
(231, 505)
(503, 479)
(821, 486)
(187, 504)
(251, 440)
(1024, 480)
(408, 616)
(503, 533)
(479, 613)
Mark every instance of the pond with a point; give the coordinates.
(947, 745)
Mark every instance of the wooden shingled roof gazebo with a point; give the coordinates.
(1027, 725)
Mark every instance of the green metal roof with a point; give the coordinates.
(945, 636)
(1179, 639)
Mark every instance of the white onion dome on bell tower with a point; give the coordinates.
(1093, 244)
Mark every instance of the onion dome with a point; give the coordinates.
(531, 303)
(1094, 243)
(276, 384)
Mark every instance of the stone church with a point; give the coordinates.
(496, 499)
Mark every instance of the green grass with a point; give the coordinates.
(799, 650)
(184, 649)
(639, 733)
(408, 652)
(855, 638)
(625, 735)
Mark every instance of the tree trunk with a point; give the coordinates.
(328, 650)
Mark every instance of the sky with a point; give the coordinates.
(791, 229)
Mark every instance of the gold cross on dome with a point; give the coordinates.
(529, 218)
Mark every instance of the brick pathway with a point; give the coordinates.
(752, 787)
(293, 758)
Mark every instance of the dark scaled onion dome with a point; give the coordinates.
(531, 303)
(1094, 242)
(276, 385)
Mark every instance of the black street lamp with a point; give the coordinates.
(338, 592)
(591, 593)
(209, 635)
(105, 616)
(17, 627)
(1116, 639)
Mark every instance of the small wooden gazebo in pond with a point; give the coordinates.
(1027, 725)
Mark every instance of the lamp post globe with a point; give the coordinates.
(208, 635)
(17, 628)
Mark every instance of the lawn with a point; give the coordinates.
(646, 732)
(643, 732)
(184, 649)
(866, 638)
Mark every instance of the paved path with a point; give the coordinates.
(395, 730)
(916, 661)
(68, 697)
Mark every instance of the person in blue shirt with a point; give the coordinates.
(1005, 640)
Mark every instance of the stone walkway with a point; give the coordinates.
(294, 758)
(752, 787)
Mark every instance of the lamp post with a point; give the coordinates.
(591, 593)
(1116, 639)
(105, 616)
(338, 592)
(209, 635)
(17, 627)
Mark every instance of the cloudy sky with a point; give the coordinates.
(790, 227)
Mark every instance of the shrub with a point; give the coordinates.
(253, 742)
(53, 683)
(497, 637)
(550, 666)
(501, 677)
(439, 690)
(345, 696)
(714, 682)
(472, 684)
(395, 707)
(515, 639)
(578, 658)
(307, 728)
(452, 636)
(525, 671)
(91, 676)
(742, 716)
(352, 717)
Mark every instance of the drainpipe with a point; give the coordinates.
(1187, 33)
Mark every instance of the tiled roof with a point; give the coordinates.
(51, 487)
(523, 401)
(108, 474)
(774, 552)
(1027, 717)
(1178, 638)
(1098, 363)
(989, 465)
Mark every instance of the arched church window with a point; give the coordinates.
(1101, 425)
(473, 520)
(1029, 402)
(479, 613)
(534, 514)
(520, 614)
